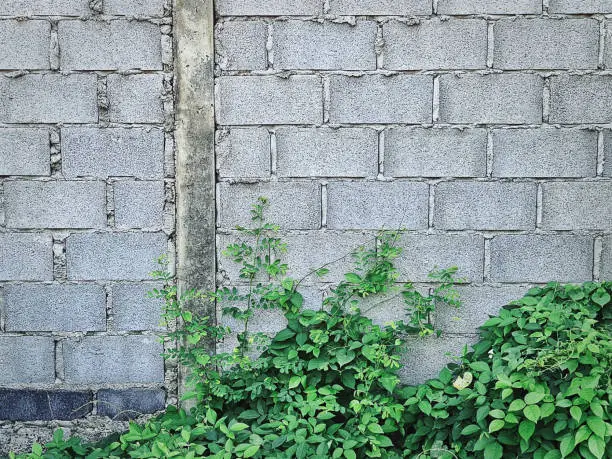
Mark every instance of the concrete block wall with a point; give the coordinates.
(482, 127)
(86, 207)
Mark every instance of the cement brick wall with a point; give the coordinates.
(86, 206)
(480, 126)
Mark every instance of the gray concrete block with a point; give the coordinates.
(270, 8)
(113, 256)
(133, 310)
(42, 405)
(606, 259)
(545, 152)
(485, 206)
(381, 7)
(241, 45)
(25, 44)
(422, 253)
(113, 360)
(375, 205)
(577, 205)
(33, 204)
(528, 258)
(325, 46)
(114, 45)
(493, 98)
(139, 204)
(49, 98)
(150, 8)
(243, 153)
(436, 44)
(293, 205)
(311, 152)
(27, 360)
(366, 99)
(24, 151)
(419, 152)
(426, 357)
(478, 303)
(581, 7)
(608, 49)
(45, 8)
(135, 98)
(112, 152)
(607, 169)
(249, 100)
(269, 321)
(580, 99)
(386, 308)
(35, 255)
(546, 44)
(57, 307)
(129, 403)
(489, 7)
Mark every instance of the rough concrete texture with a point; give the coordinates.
(24, 151)
(581, 7)
(489, 7)
(27, 44)
(574, 206)
(381, 7)
(139, 204)
(243, 153)
(132, 308)
(272, 8)
(45, 8)
(27, 360)
(580, 99)
(135, 98)
(35, 255)
(241, 45)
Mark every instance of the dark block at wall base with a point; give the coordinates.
(127, 404)
(39, 405)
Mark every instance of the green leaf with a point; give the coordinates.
(251, 451)
(496, 425)
(425, 407)
(352, 278)
(497, 414)
(576, 413)
(567, 445)
(564, 403)
(350, 454)
(211, 416)
(533, 397)
(344, 356)
(374, 428)
(479, 367)
(471, 429)
(238, 427)
(532, 412)
(597, 446)
(526, 429)
(601, 297)
(493, 451)
(284, 335)
(516, 405)
(597, 426)
(249, 414)
(582, 434)
(294, 381)
(317, 364)
(389, 383)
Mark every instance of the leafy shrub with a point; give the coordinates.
(536, 385)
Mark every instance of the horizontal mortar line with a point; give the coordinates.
(8, 73)
(283, 73)
(386, 17)
(80, 387)
(59, 124)
(96, 282)
(86, 17)
(78, 335)
(103, 230)
(421, 179)
(424, 125)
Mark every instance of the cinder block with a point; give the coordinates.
(113, 360)
(27, 360)
(580, 99)
(126, 404)
(113, 256)
(24, 152)
(45, 8)
(546, 44)
(33, 204)
(374, 205)
(577, 205)
(419, 152)
(293, 205)
(25, 44)
(152, 8)
(527, 258)
(489, 7)
(49, 98)
(436, 44)
(608, 49)
(133, 310)
(243, 153)
(139, 204)
(325, 46)
(135, 98)
(42, 405)
(269, 100)
(381, 7)
(478, 303)
(422, 253)
(485, 206)
(606, 259)
(122, 45)
(545, 152)
(426, 357)
(35, 255)
(241, 45)
(581, 7)
(366, 99)
(270, 8)
(114, 152)
(493, 98)
(312, 152)
(57, 307)
(607, 169)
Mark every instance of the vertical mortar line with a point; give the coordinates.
(434, 7)
(59, 360)
(490, 43)
(2, 312)
(54, 51)
(539, 200)
(273, 155)
(326, 6)
(55, 151)
(545, 6)
(326, 98)
(59, 257)
(381, 154)
(270, 46)
(486, 264)
(108, 291)
(379, 47)
(435, 102)
(602, 44)
(546, 100)
(2, 205)
(601, 154)
(597, 257)
(490, 152)
(324, 203)
(110, 203)
(431, 206)
(103, 105)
